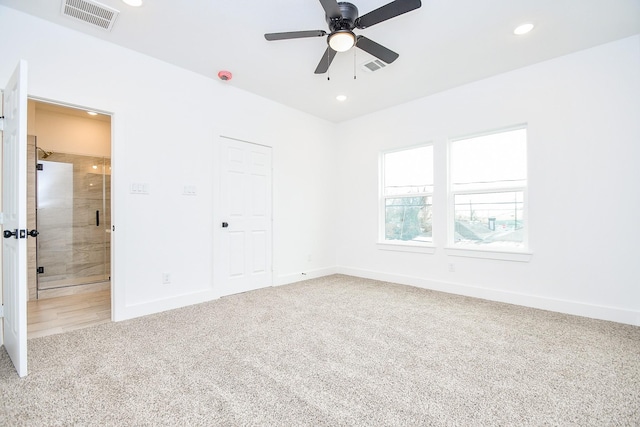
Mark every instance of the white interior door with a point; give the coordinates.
(14, 214)
(245, 229)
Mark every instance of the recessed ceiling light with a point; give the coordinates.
(341, 98)
(134, 3)
(92, 113)
(523, 29)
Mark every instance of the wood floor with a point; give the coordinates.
(67, 313)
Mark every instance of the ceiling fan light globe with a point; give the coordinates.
(342, 41)
(523, 29)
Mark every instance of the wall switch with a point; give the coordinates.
(139, 188)
(166, 278)
(189, 190)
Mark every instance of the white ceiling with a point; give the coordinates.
(445, 43)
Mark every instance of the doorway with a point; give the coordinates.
(245, 227)
(69, 203)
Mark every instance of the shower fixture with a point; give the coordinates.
(45, 154)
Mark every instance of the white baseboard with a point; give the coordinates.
(178, 301)
(298, 277)
(165, 304)
(613, 314)
(630, 317)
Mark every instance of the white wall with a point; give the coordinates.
(582, 112)
(164, 126)
(583, 116)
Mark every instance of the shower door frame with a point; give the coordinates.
(80, 181)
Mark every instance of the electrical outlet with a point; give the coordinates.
(166, 278)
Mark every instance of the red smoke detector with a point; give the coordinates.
(224, 75)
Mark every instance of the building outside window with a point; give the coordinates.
(406, 195)
(488, 184)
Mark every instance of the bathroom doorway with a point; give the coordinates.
(69, 203)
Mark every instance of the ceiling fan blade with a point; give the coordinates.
(376, 49)
(331, 8)
(388, 11)
(294, 35)
(327, 58)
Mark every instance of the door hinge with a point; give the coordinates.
(39, 166)
(40, 270)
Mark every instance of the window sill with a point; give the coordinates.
(490, 254)
(406, 247)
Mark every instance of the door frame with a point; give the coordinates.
(218, 282)
(112, 204)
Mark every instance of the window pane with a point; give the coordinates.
(490, 219)
(409, 171)
(408, 219)
(491, 161)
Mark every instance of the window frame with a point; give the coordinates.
(492, 252)
(398, 245)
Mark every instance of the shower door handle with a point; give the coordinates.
(33, 233)
(8, 233)
(97, 218)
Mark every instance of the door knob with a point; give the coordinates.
(9, 233)
(225, 224)
(33, 233)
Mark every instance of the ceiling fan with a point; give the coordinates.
(342, 18)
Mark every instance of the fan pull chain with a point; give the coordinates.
(328, 66)
(354, 58)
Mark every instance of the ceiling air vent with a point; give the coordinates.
(374, 65)
(91, 12)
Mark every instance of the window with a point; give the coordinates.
(406, 196)
(488, 182)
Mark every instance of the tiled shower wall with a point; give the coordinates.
(74, 246)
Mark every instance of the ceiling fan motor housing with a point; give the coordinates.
(347, 21)
(342, 17)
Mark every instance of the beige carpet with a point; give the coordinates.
(333, 351)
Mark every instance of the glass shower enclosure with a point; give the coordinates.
(73, 216)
